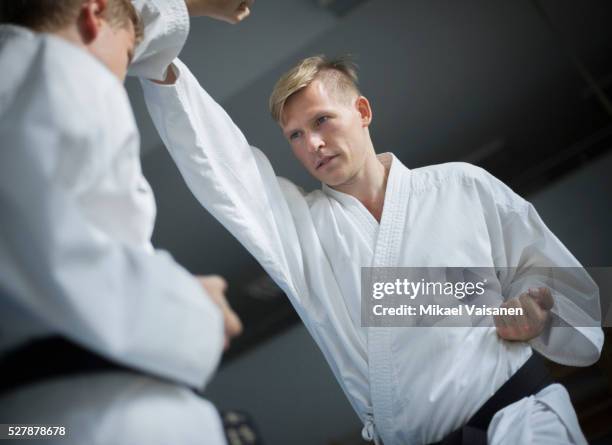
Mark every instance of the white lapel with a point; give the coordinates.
(386, 254)
(393, 220)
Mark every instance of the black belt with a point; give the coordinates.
(529, 379)
(55, 357)
(49, 358)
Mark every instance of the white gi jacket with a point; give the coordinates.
(75, 252)
(408, 385)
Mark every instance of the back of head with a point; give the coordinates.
(339, 76)
(54, 15)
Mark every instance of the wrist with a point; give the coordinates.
(170, 78)
(191, 7)
(197, 8)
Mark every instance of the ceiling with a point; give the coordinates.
(499, 83)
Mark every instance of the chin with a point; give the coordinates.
(331, 184)
(336, 177)
(334, 180)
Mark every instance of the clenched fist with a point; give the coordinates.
(215, 287)
(231, 11)
(536, 304)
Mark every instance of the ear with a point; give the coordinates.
(91, 19)
(365, 111)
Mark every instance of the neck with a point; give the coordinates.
(369, 185)
(71, 34)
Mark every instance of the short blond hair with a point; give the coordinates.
(52, 15)
(339, 74)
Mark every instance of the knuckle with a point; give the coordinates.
(217, 281)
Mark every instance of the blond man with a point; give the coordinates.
(407, 385)
(102, 335)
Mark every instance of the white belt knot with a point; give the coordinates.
(369, 430)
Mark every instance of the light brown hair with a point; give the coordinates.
(339, 75)
(52, 15)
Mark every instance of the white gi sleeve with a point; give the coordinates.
(124, 301)
(232, 180)
(529, 255)
(166, 27)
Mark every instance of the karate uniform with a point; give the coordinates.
(76, 258)
(408, 385)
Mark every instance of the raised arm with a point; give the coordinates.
(232, 180)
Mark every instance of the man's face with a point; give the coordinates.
(114, 47)
(327, 133)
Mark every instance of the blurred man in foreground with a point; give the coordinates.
(101, 334)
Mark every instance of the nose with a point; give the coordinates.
(315, 142)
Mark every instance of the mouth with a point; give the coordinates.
(324, 161)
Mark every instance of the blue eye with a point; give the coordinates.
(294, 135)
(322, 119)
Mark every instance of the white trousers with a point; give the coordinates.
(115, 408)
(547, 417)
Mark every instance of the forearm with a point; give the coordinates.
(574, 336)
(539, 260)
(571, 346)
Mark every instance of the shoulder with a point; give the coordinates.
(60, 103)
(55, 73)
(453, 174)
(433, 174)
(295, 192)
(316, 200)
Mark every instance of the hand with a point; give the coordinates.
(536, 304)
(231, 11)
(215, 287)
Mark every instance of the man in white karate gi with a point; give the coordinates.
(408, 385)
(79, 277)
